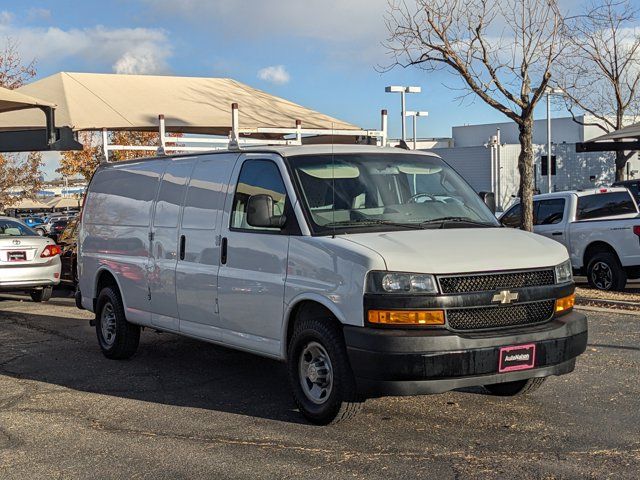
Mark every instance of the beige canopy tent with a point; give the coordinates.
(90, 101)
(58, 202)
(625, 139)
(27, 204)
(11, 100)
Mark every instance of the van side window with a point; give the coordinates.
(257, 177)
(549, 212)
(604, 205)
(512, 217)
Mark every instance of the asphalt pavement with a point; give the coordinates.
(186, 409)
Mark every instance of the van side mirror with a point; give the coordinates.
(489, 199)
(260, 212)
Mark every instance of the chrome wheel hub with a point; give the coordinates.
(602, 276)
(316, 373)
(108, 324)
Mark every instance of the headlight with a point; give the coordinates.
(391, 282)
(564, 272)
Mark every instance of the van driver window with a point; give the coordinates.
(257, 177)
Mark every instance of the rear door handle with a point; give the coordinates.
(183, 243)
(556, 234)
(223, 251)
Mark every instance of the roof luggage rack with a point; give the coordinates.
(246, 137)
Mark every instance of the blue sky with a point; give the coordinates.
(321, 54)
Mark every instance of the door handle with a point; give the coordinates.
(556, 234)
(223, 251)
(183, 242)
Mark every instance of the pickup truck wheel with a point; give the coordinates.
(604, 272)
(517, 388)
(320, 375)
(117, 337)
(41, 294)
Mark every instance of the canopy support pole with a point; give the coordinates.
(383, 127)
(105, 145)
(162, 149)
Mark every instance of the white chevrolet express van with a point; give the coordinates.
(370, 271)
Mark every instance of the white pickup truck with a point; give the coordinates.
(600, 228)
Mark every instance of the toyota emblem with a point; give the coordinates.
(16, 242)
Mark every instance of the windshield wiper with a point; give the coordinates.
(355, 223)
(444, 220)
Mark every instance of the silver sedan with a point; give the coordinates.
(28, 262)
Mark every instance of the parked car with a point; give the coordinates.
(600, 228)
(46, 227)
(57, 228)
(28, 262)
(32, 221)
(68, 244)
(632, 185)
(370, 271)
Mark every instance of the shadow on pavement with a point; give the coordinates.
(167, 369)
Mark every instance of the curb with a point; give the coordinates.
(617, 311)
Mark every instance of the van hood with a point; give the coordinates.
(462, 250)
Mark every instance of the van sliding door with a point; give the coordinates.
(198, 251)
(165, 243)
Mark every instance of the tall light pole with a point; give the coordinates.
(415, 115)
(403, 107)
(550, 91)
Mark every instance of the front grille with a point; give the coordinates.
(481, 318)
(496, 281)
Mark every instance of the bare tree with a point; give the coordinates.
(20, 175)
(600, 69)
(502, 51)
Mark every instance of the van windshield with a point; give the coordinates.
(382, 191)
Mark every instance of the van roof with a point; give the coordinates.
(292, 151)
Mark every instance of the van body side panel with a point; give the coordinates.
(197, 272)
(164, 245)
(333, 269)
(115, 231)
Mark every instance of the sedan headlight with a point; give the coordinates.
(564, 272)
(399, 282)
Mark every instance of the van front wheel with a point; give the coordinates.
(320, 375)
(117, 337)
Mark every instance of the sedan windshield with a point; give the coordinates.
(9, 228)
(386, 192)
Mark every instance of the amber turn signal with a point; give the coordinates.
(406, 317)
(565, 304)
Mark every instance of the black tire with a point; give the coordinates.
(342, 401)
(515, 389)
(604, 272)
(41, 294)
(122, 339)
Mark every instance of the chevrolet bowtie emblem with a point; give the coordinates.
(505, 297)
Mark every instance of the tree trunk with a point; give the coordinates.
(525, 167)
(621, 162)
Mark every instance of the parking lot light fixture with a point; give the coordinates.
(415, 116)
(550, 91)
(402, 90)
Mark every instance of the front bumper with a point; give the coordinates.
(415, 362)
(30, 276)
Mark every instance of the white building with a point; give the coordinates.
(472, 158)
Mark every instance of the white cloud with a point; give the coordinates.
(124, 50)
(5, 17)
(353, 30)
(275, 74)
(36, 13)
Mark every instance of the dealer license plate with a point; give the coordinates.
(16, 256)
(519, 357)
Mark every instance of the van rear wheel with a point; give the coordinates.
(320, 375)
(117, 337)
(515, 389)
